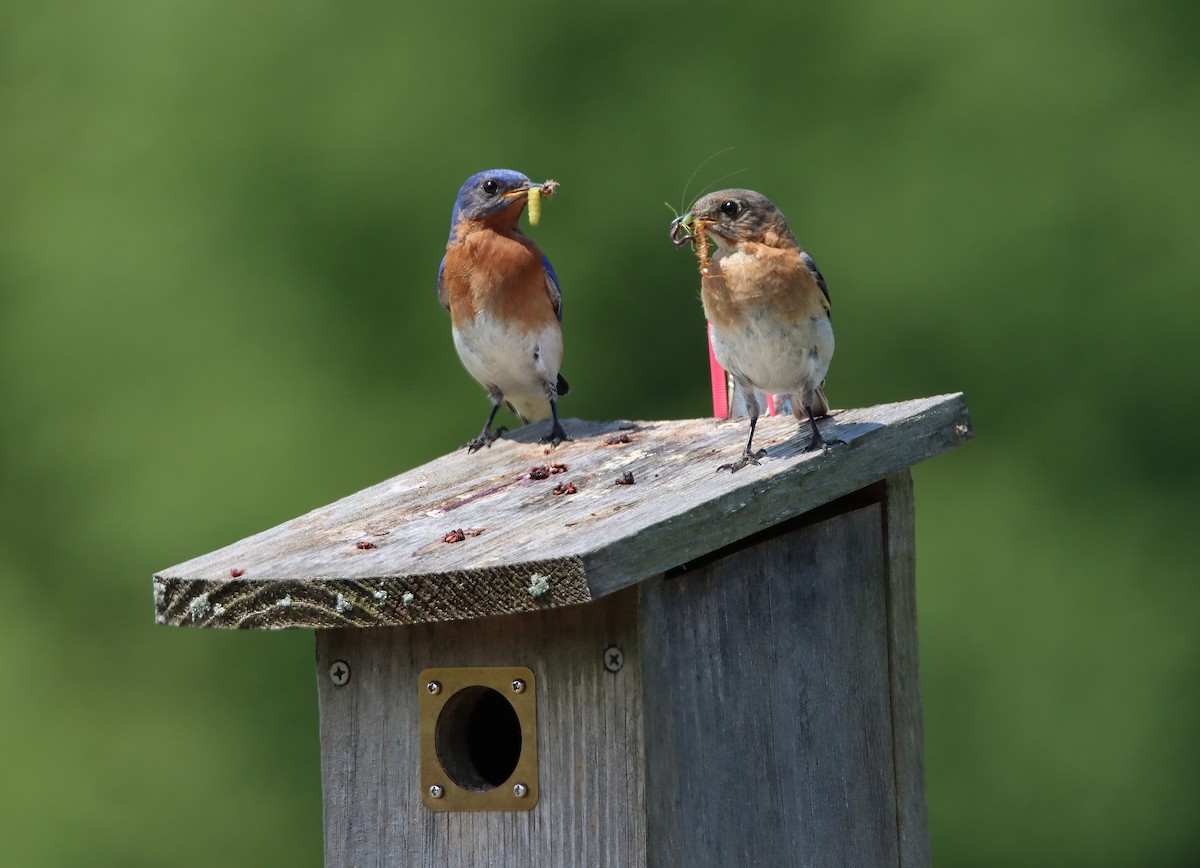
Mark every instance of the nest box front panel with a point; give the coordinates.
(478, 737)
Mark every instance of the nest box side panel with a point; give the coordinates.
(767, 696)
(589, 741)
(908, 737)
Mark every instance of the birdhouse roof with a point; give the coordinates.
(517, 527)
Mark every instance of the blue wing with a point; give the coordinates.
(440, 292)
(552, 285)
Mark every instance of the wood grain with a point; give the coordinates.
(377, 557)
(769, 726)
(908, 751)
(591, 795)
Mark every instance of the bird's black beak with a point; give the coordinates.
(547, 188)
(518, 192)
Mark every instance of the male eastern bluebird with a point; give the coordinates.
(767, 304)
(504, 301)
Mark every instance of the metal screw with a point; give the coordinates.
(433, 688)
(436, 792)
(518, 685)
(520, 791)
(614, 658)
(339, 673)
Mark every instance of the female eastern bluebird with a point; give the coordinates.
(504, 301)
(767, 304)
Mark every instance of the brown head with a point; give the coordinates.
(732, 216)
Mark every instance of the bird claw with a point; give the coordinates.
(556, 436)
(817, 443)
(748, 457)
(485, 438)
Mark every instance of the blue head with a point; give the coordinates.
(485, 194)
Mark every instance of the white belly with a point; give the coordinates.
(777, 358)
(522, 366)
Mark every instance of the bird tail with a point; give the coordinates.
(528, 409)
(817, 400)
(534, 408)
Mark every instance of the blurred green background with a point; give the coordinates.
(220, 224)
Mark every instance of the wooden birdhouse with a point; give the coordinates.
(611, 653)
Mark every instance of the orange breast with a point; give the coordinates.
(760, 278)
(500, 273)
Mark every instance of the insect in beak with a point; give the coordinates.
(687, 228)
(534, 195)
(681, 230)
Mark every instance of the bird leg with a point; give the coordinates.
(817, 443)
(748, 455)
(487, 436)
(557, 434)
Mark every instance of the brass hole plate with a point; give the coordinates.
(431, 703)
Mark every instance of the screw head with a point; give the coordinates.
(339, 673)
(614, 658)
(520, 791)
(518, 685)
(433, 688)
(436, 791)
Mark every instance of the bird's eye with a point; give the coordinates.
(490, 187)
(730, 208)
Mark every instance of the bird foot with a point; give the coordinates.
(485, 438)
(817, 443)
(748, 457)
(556, 436)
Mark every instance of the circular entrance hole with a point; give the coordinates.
(478, 738)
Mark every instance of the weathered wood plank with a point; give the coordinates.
(591, 765)
(766, 682)
(907, 732)
(378, 558)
